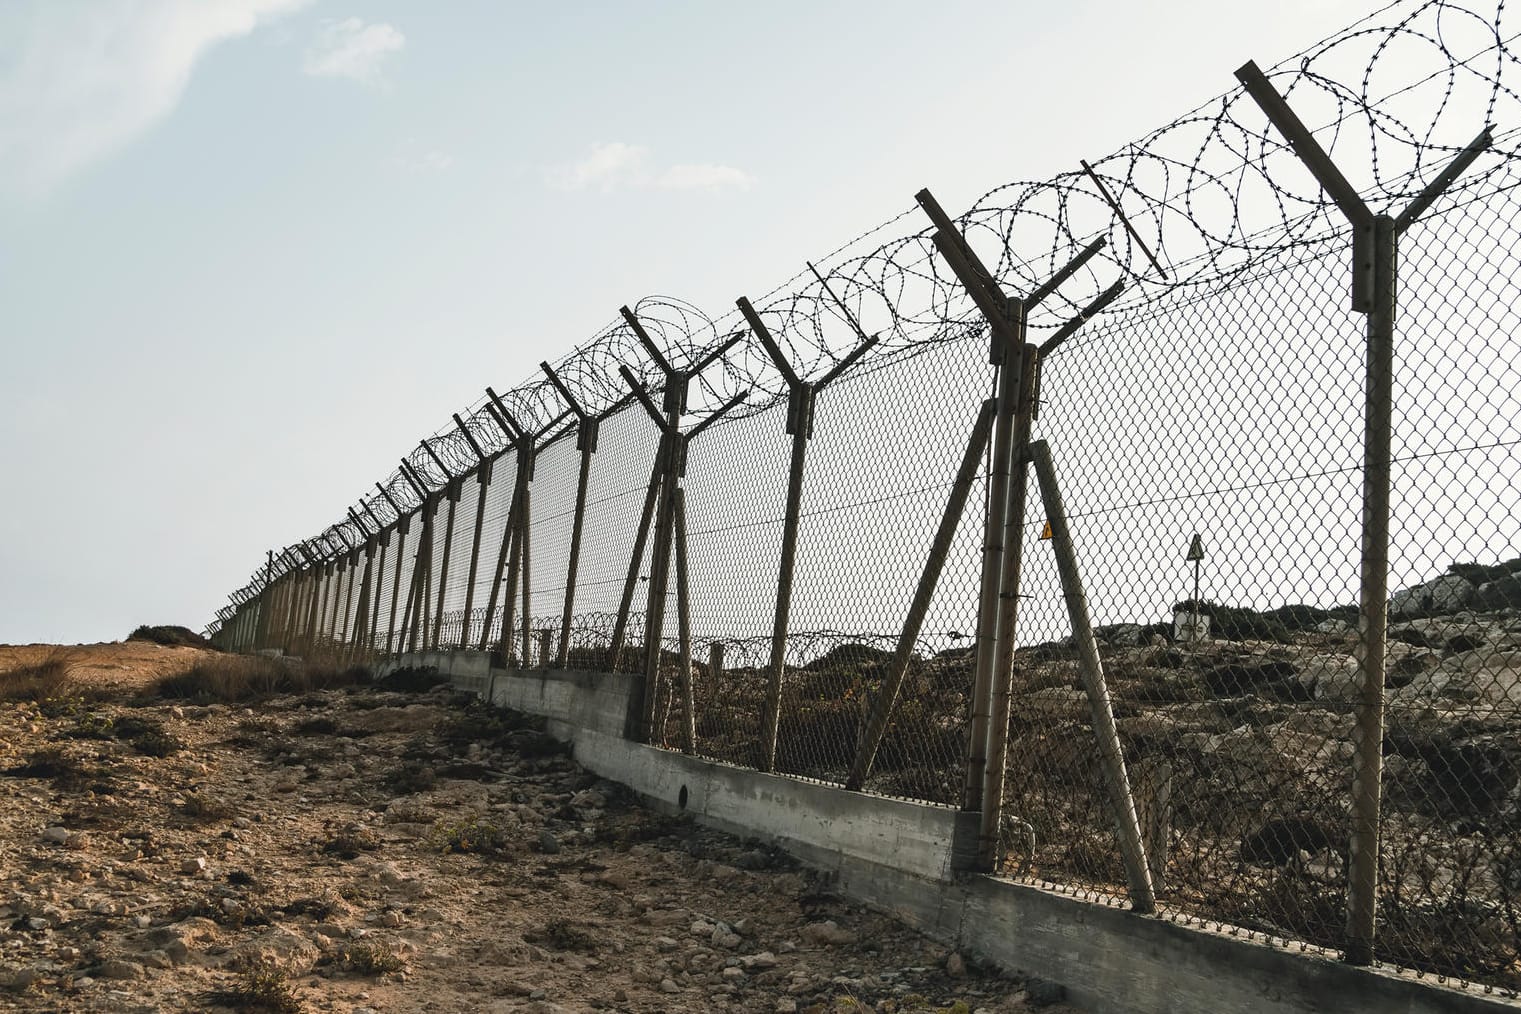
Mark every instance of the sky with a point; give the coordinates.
(252, 251)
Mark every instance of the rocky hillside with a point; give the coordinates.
(1241, 757)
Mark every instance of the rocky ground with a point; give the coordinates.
(369, 849)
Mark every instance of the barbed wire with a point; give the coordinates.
(1209, 196)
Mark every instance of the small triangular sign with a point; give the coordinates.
(1195, 549)
(1045, 531)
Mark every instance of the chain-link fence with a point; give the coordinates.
(1241, 686)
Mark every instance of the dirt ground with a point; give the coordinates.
(124, 667)
(361, 849)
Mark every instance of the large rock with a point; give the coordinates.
(1482, 677)
(1463, 632)
(1273, 677)
(279, 948)
(1307, 753)
(1501, 593)
(1437, 597)
(1057, 702)
(1121, 635)
(1461, 777)
(1282, 840)
(850, 654)
(1331, 677)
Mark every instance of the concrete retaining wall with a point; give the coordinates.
(904, 858)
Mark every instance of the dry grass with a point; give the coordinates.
(49, 680)
(252, 677)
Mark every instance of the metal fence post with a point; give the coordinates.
(999, 589)
(362, 611)
(1000, 697)
(586, 443)
(276, 607)
(684, 629)
(514, 547)
(335, 598)
(1368, 732)
(934, 561)
(313, 596)
(525, 531)
(801, 396)
(498, 573)
(420, 617)
(671, 464)
(587, 446)
(282, 615)
(1006, 354)
(802, 425)
(524, 440)
(453, 494)
(654, 613)
(403, 523)
(1111, 757)
(377, 591)
(636, 557)
(1374, 282)
(261, 634)
(483, 480)
(352, 561)
(422, 567)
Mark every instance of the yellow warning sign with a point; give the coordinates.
(1045, 531)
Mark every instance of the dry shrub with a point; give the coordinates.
(263, 987)
(564, 935)
(351, 840)
(251, 677)
(471, 835)
(147, 736)
(205, 809)
(372, 959)
(171, 636)
(44, 682)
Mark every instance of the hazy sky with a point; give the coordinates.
(252, 250)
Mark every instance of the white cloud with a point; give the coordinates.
(78, 81)
(617, 166)
(608, 167)
(704, 177)
(352, 49)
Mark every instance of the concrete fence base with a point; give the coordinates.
(909, 860)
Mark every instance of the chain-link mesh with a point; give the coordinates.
(1207, 431)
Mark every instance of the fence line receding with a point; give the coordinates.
(1167, 513)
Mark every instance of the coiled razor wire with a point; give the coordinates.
(1209, 196)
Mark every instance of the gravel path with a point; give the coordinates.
(365, 850)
